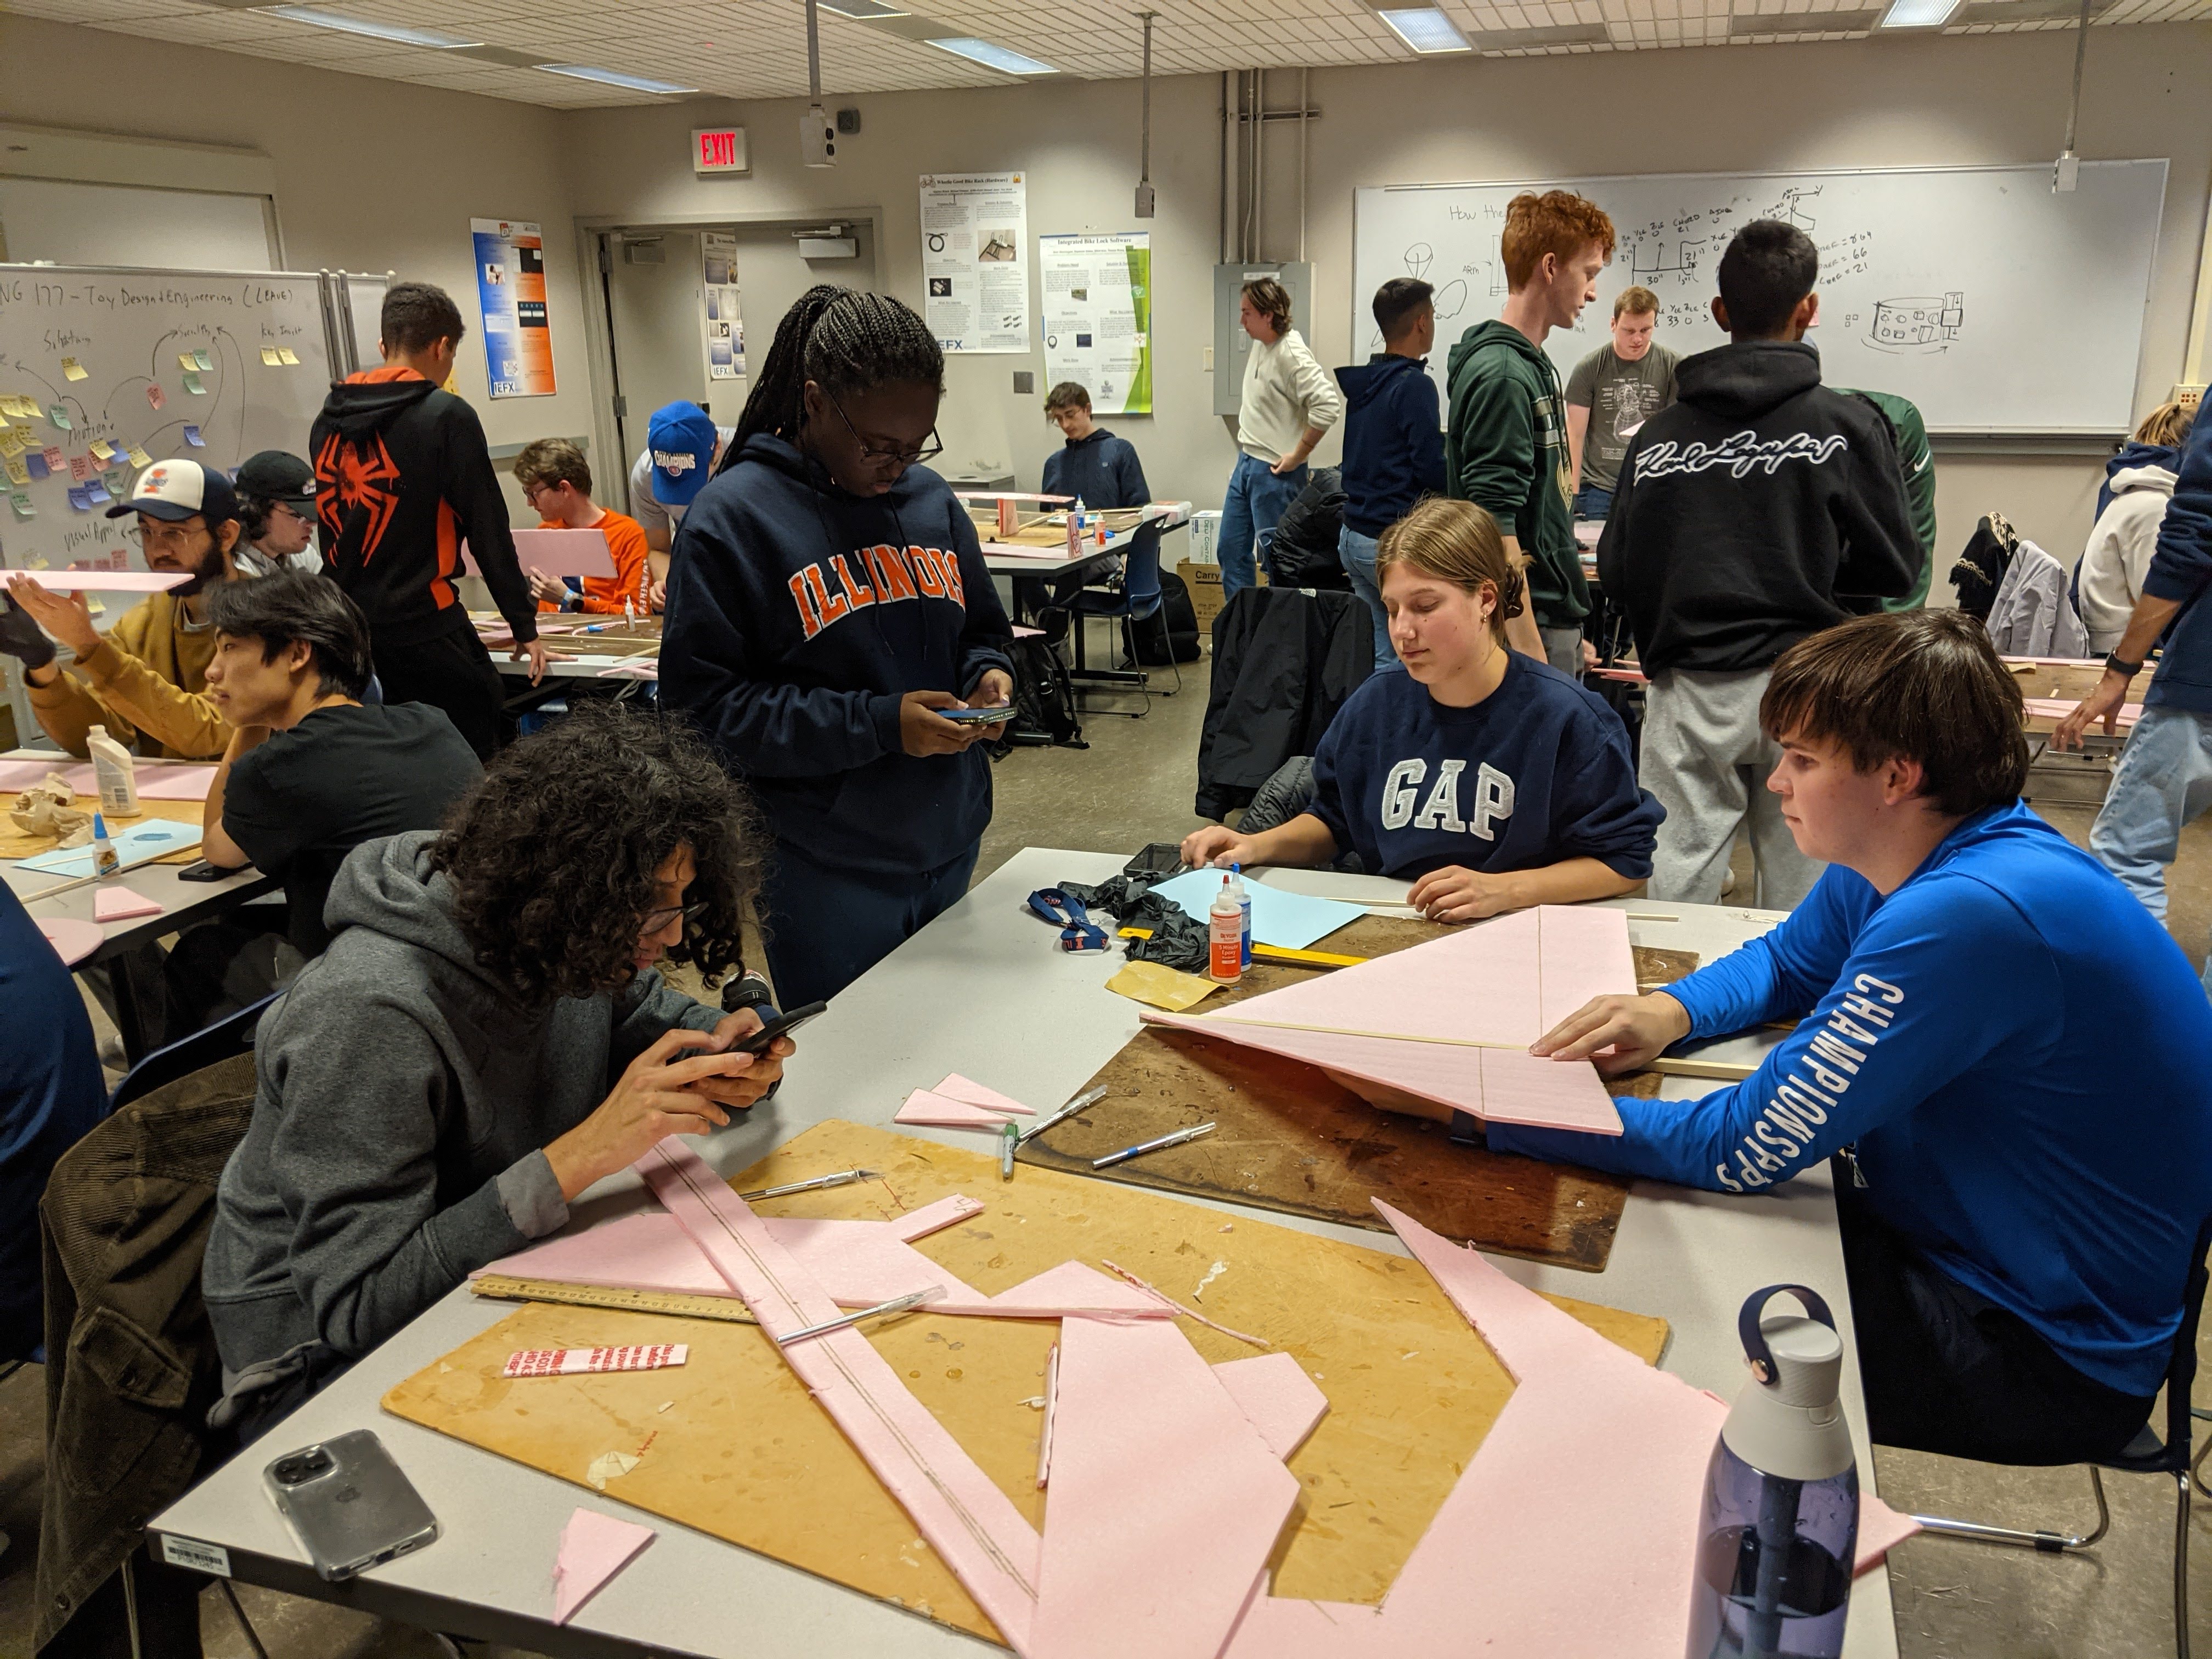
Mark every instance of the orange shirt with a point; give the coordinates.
(626, 541)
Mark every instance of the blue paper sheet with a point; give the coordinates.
(140, 840)
(1290, 921)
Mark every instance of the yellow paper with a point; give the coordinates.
(1162, 987)
(103, 451)
(185, 360)
(12, 442)
(17, 473)
(74, 370)
(139, 457)
(269, 356)
(288, 357)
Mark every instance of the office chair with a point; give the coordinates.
(210, 1045)
(1131, 598)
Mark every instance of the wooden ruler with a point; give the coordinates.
(680, 1303)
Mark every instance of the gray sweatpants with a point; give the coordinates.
(1563, 649)
(1706, 761)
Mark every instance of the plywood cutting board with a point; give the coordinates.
(732, 1444)
(15, 844)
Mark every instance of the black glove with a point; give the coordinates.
(20, 637)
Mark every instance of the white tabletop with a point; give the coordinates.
(1007, 559)
(1690, 1257)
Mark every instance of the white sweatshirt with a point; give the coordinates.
(2111, 573)
(1287, 391)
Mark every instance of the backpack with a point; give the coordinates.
(1302, 551)
(1170, 632)
(1044, 697)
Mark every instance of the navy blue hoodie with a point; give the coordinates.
(797, 618)
(2181, 569)
(1103, 469)
(1393, 440)
(2133, 454)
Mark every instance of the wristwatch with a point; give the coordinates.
(2115, 664)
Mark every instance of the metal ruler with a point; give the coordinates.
(677, 1302)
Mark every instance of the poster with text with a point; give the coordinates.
(976, 273)
(724, 333)
(511, 292)
(1098, 318)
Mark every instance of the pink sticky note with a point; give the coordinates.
(593, 1548)
(154, 395)
(53, 454)
(120, 904)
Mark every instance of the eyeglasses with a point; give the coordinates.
(175, 535)
(902, 457)
(656, 922)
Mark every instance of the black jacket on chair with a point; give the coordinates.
(1283, 662)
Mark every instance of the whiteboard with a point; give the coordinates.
(68, 221)
(1992, 303)
(126, 330)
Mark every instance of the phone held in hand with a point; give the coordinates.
(349, 1505)
(757, 1044)
(977, 716)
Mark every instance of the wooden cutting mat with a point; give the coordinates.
(1291, 1141)
(732, 1444)
(15, 844)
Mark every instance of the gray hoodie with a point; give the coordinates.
(403, 1099)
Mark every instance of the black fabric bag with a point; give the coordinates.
(1044, 697)
(1170, 632)
(1303, 552)
(1284, 663)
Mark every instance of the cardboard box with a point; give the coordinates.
(1206, 598)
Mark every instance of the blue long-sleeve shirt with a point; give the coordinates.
(2180, 569)
(2017, 1049)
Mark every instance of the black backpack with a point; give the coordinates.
(1170, 632)
(1044, 697)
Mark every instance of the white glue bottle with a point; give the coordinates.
(115, 773)
(104, 859)
(1225, 936)
(1244, 905)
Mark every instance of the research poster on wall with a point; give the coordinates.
(975, 271)
(725, 331)
(1098, 317)
(511, 292)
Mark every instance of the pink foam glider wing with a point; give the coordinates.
(1060, 1293)
(925, 1107)
(1274, 1390)
(594, 1547)
(966, 1089)
(120, 904)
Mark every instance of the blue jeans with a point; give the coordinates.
(2163, 781)
(1358, 552)
(1591, 503)
(1255, 501)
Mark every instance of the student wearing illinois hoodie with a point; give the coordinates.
(402, 477)
(1505, 443)
(828, 607)
(1758, 508)
(1394, 443)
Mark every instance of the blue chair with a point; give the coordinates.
(229, 1036)
(1132, 595)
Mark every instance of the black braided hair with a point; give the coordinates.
(844, 340)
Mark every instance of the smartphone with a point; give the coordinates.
(349, 1504)
(758, 1042)
(203, 870)
(1159, 859)
(977, 716)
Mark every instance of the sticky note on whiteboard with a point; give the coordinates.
(201, 360)
(192, 385)
(60, 417)
(192, 437)
(287, 356)
(269, 356)
(20, 501)
(74, 370)
(139, 457)
(154, 395)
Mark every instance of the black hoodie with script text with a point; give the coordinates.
(798, 617)
(402, 479)
(1760, 507)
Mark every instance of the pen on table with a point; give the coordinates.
(1010, 1137)
(1128, 1152)
(896, 1304)
(841, 1178)
(1088, 1098)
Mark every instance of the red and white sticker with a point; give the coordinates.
(574, 1362)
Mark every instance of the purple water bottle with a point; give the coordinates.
(1781, 1518)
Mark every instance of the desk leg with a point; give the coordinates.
(140, 999)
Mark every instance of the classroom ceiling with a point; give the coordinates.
(757, 48)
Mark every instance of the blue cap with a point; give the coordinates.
(681, 440)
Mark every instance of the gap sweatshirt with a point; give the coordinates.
(1393, 440)
(1505, 450)
(403, 1099)
(1759, 507)
(798, 617)
(2016, 1049)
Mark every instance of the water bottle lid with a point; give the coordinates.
(1799, 1360)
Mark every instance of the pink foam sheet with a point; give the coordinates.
(73, 940)
(1274, 1392)
(120, 904)
(1164, 1501)
(157, 779)
(1502, 983)
(1522, 1558)
(972, 1093)
(1503, 1086)
(1070, 1289)
(593, 1548)
(971, 1524)
(102, 581)
(925, 1107)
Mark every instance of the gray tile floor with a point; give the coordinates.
(1954, 1600)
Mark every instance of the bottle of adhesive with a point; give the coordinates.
(104, 859)
(115, 773)
(1075, 528)
(1244, 905)
(1225, 936)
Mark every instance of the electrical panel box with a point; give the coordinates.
(1232, 346)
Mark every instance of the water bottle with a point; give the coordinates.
(1780, 1523)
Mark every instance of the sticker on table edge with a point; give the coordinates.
(193, 1553)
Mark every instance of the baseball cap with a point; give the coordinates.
(275, 476)
(178, 490)
(680, 438)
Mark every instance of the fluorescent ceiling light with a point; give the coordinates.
(866, 11)
(1918, 13)
(338, 20)
(991, 56)
(1426, 29)
(614, 78)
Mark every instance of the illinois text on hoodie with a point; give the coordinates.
(1754, 511)
(1505, 450)
(402, 479)
(798, 617)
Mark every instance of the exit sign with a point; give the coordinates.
(718, 149)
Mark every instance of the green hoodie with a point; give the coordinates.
(1506, 449)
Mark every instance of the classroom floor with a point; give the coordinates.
(1953, 1600)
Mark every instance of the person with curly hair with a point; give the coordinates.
(487, 1035)
(1487, 778)
(829, 608)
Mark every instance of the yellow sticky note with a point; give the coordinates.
(17, 473)
(12, 442)
(74, 370)
(269, 356)
(1162, 987)
(103, 451)
(139, 457)
(185, 360)
(288, 357)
